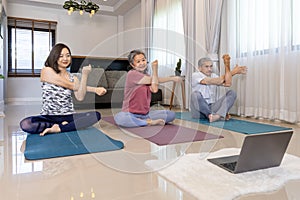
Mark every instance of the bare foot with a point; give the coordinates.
(228, 76)
(155, 122)
(154, 64)
(239, 69)
(213, 118)
(86, 69)
(228, 117)
(54, 129)
(23, 146)
(64, 122)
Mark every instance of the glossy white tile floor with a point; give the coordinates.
(119, 175)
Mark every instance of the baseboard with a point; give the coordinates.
(23, 101)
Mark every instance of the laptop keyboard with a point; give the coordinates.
(230, 166)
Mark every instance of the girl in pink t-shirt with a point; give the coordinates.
(137, 95)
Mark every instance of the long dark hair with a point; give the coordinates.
(54, 56)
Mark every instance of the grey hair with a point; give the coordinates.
(203, 60)
(133, 53)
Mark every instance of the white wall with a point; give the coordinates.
(84, 35)
(23, 89)
(130, 18)
(104, 36)
(81, 33)
(133, 35)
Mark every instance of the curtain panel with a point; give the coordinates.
(264, 36)
(168, 44)
(148, 7)
(189, 24)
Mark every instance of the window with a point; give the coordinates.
(168, 28)
(29, 43)
(168, 43)
(265, 26)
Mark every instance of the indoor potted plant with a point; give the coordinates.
(178, 68)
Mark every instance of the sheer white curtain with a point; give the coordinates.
(264, 36)
(213, 10)
(212, 13)
(168, 42)
(147, 22)
(189, 24)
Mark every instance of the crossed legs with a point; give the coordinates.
(43, 124)
(155, 117)
(213, 112)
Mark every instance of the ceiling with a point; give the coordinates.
(108, 7)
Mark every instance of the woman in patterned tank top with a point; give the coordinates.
(57, 114)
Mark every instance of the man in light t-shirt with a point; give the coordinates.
(204, 100)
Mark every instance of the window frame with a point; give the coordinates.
(13, 71)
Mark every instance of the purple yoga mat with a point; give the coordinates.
(168, 134)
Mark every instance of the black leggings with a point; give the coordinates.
(37, 124)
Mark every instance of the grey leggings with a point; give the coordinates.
(127, 119)
(201, 109)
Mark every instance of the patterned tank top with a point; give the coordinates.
(57, 100)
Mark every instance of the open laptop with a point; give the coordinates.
(258, 152)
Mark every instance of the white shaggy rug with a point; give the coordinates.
(200, 178)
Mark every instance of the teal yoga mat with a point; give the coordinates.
(236, 125)
(83, 141)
